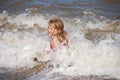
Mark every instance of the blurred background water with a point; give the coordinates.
(71, 8)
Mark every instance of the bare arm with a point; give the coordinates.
(66, 38)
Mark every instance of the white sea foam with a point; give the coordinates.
(82, 57)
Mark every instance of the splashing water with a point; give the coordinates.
(94, 46)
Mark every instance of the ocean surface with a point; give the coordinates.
(93, 27)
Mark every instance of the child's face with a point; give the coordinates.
(51, 29)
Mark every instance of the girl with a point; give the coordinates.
(57, 33)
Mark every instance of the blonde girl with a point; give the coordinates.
(57, 33)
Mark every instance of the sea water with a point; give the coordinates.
(94, 38)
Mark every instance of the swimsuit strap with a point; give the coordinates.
(51, 46)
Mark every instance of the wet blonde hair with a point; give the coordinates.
(58, 24)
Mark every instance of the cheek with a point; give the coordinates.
(49, 31)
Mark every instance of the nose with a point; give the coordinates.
(48, 30)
